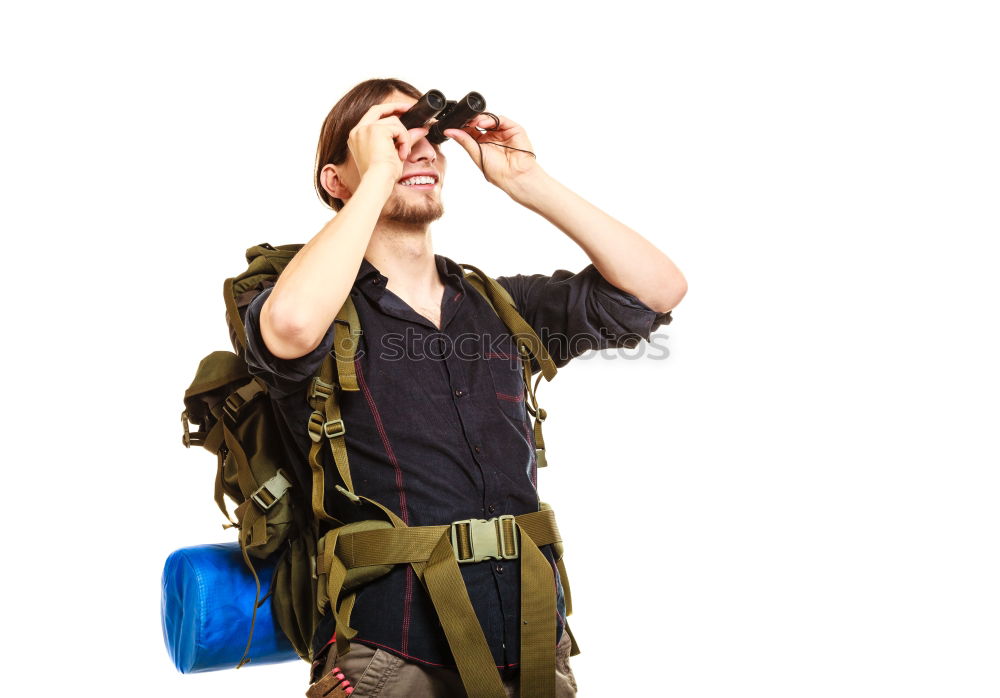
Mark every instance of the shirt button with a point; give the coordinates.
(499, 569)
(477, 449)
(459, 392)
(491, 508)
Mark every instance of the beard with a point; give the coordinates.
(411, 210)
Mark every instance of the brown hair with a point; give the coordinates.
(346, 113)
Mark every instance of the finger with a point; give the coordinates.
(389, 125)
(467, 142)
(478, 122)
(393, 126)
(408, 139)
(508, 131)
(486, 121)
(379, 111)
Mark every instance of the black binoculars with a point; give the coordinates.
(450, 114)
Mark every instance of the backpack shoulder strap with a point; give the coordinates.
(326, 423)
(504, 306)
(529, 346)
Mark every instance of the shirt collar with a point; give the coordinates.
(367, 269)
(373, 281)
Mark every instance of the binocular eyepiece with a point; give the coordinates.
(450, 114)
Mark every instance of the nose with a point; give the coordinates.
(422, 149)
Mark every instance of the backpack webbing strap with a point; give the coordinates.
(233, 313)
(253, 523)
(256, 602)
(337, 574)
(346, 333)
(537, 412)
(230, 410)
(458, 619)
(219, 491)
(326, 422)
(252, 534)
(443, 579)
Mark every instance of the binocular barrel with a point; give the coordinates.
(450, 114)
(429, 105)
(456, 115)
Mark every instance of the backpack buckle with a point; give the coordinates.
(231, 407)
(268, 494)
(321, 389)
(475, 540)
(334, 428)
(318, 427)
(190, 438)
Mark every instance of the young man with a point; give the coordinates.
(438, 433)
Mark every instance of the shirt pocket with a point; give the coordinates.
(507, 372)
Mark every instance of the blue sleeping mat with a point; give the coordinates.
(207, 602)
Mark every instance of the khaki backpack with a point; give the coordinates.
(275, 515)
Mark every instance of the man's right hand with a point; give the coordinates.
(380, 143)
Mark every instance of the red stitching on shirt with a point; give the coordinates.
(377, 416)
(500, 355)
(512, 398)
(404, 512)
(407, 598)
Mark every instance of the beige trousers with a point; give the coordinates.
(376, 673)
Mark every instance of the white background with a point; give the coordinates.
(800, 501)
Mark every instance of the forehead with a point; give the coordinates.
(396, 96)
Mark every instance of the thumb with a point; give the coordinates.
(463, 139)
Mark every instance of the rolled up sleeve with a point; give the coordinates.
(574, 313)
(281, 376)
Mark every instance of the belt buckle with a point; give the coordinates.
(475, 540)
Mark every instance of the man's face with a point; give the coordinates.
(410, 203)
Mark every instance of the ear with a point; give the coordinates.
(329, 177)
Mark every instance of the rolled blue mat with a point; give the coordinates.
(207, 603)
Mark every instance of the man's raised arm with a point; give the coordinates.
(311, 290)
(623, 257)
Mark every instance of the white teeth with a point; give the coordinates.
(420, 179)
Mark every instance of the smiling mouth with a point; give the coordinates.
(418, 182)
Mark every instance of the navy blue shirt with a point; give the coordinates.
(439, 432)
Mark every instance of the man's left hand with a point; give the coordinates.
(503, 167)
